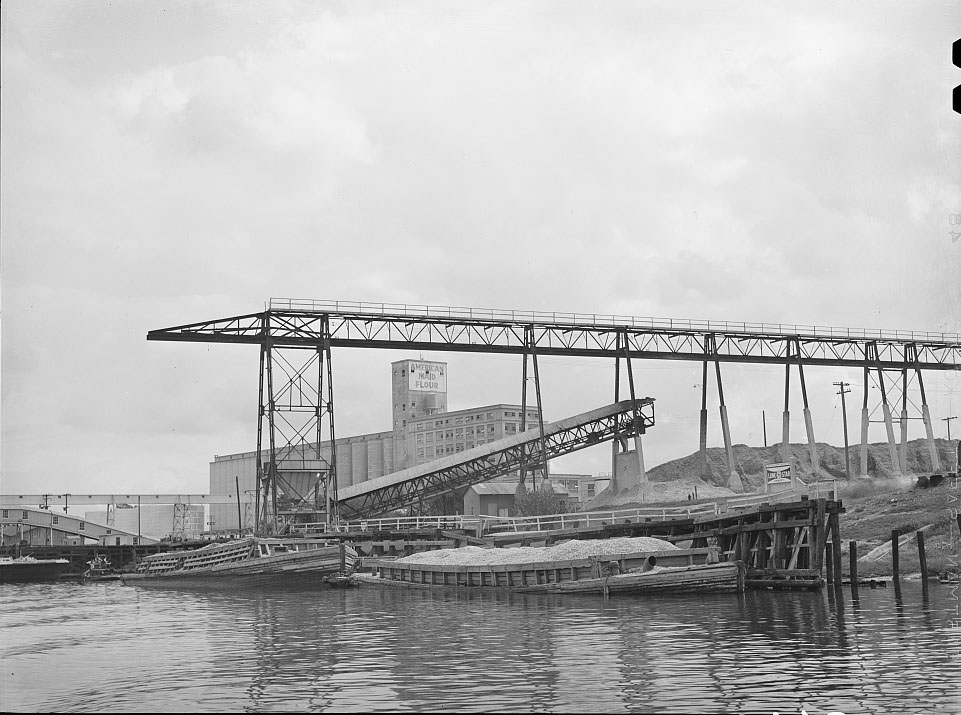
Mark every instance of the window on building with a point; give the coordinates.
(6, 515)
(56, 519)
(510, 427)
(82, 526)
(413, 405)
(26, 515)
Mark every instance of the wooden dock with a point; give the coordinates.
(786, 545)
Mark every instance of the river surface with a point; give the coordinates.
(105, 647)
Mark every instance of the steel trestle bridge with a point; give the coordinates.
(296, 395)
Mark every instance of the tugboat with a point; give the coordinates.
(100, 570)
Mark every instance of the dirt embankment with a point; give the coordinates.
(873, 509)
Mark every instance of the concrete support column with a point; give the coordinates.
(865, 420)
(734, 479)
(703, 440)
(812, 445)
(889, 427)
(903, 451)
(808, 423)
(892, 446)
(615, 485)
(786, 417)
(641, 471)
(928, 431)
(638, 448)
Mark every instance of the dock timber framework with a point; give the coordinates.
(296, 379)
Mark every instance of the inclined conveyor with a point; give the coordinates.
(480, 464)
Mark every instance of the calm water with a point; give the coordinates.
(112, 648)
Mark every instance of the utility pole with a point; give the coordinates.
(764, 420)
(844, 417)
(948, 420)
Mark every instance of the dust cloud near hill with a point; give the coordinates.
(679, 479)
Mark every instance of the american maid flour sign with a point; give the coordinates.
(428, 377)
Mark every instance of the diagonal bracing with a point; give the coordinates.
(480, 464)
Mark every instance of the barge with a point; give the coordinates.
(252, 561)
(659, 568)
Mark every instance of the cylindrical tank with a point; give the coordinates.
(358, 458)
(344, 465)
(388, 445)
(375, 458)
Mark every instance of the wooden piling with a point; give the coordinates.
(820, 538)
(834, 521)
(853, 561)
(924, 563)
(829, 561)
(895, 561)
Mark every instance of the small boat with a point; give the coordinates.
(949, 577)
(340, 580)
(100, 570)
(26, 568)
(275, 561)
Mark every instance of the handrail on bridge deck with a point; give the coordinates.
(598, 319)
(485, 524)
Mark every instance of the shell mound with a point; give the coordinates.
(565, 551)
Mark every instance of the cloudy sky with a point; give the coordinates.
(166, 163)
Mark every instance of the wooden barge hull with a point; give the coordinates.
(304, 568)
(726, 577)
(31, 570)
(676, 571)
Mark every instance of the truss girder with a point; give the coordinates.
(561, 438)
(375, 330)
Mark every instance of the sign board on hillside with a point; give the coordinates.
(778, 476)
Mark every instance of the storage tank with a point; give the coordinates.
(375, 458)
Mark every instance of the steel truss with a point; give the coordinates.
(627, 418)
(727, 342)
(296, 475)
(296, 398)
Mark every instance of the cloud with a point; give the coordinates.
(176, 163)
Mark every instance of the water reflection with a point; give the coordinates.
(123, 648)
